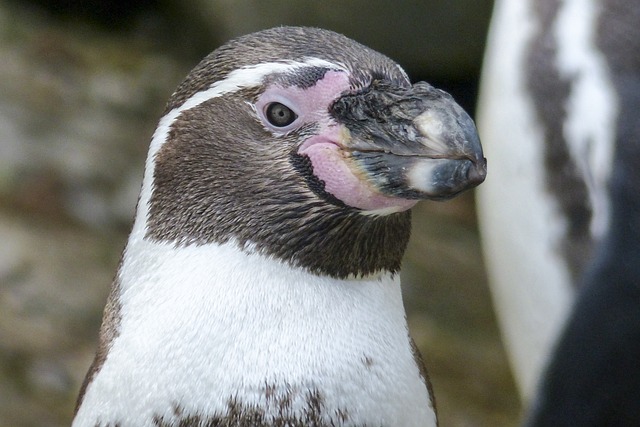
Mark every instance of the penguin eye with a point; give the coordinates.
(279, 115)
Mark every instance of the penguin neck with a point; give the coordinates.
(193, 195)
(215, 330)
(311, 233)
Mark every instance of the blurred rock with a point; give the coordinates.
(53, 283)
(76, 114)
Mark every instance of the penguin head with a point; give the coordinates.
(293, 138)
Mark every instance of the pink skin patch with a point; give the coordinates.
(342, 178)
(339, 175)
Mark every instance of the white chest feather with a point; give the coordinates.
(211, 330)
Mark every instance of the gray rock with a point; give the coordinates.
(76, 114)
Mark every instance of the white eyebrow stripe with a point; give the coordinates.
(251, 76)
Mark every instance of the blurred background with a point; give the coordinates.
(82, 85)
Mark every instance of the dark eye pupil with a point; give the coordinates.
(280, 115)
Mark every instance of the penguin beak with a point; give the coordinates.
(411, 142)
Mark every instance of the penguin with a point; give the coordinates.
(559, 215)
(260, 283)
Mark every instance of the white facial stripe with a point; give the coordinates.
(241, 78)
(252, 76)
(591, 106)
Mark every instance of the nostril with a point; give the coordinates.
(477, 172)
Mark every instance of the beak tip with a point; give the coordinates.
(477, 172)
